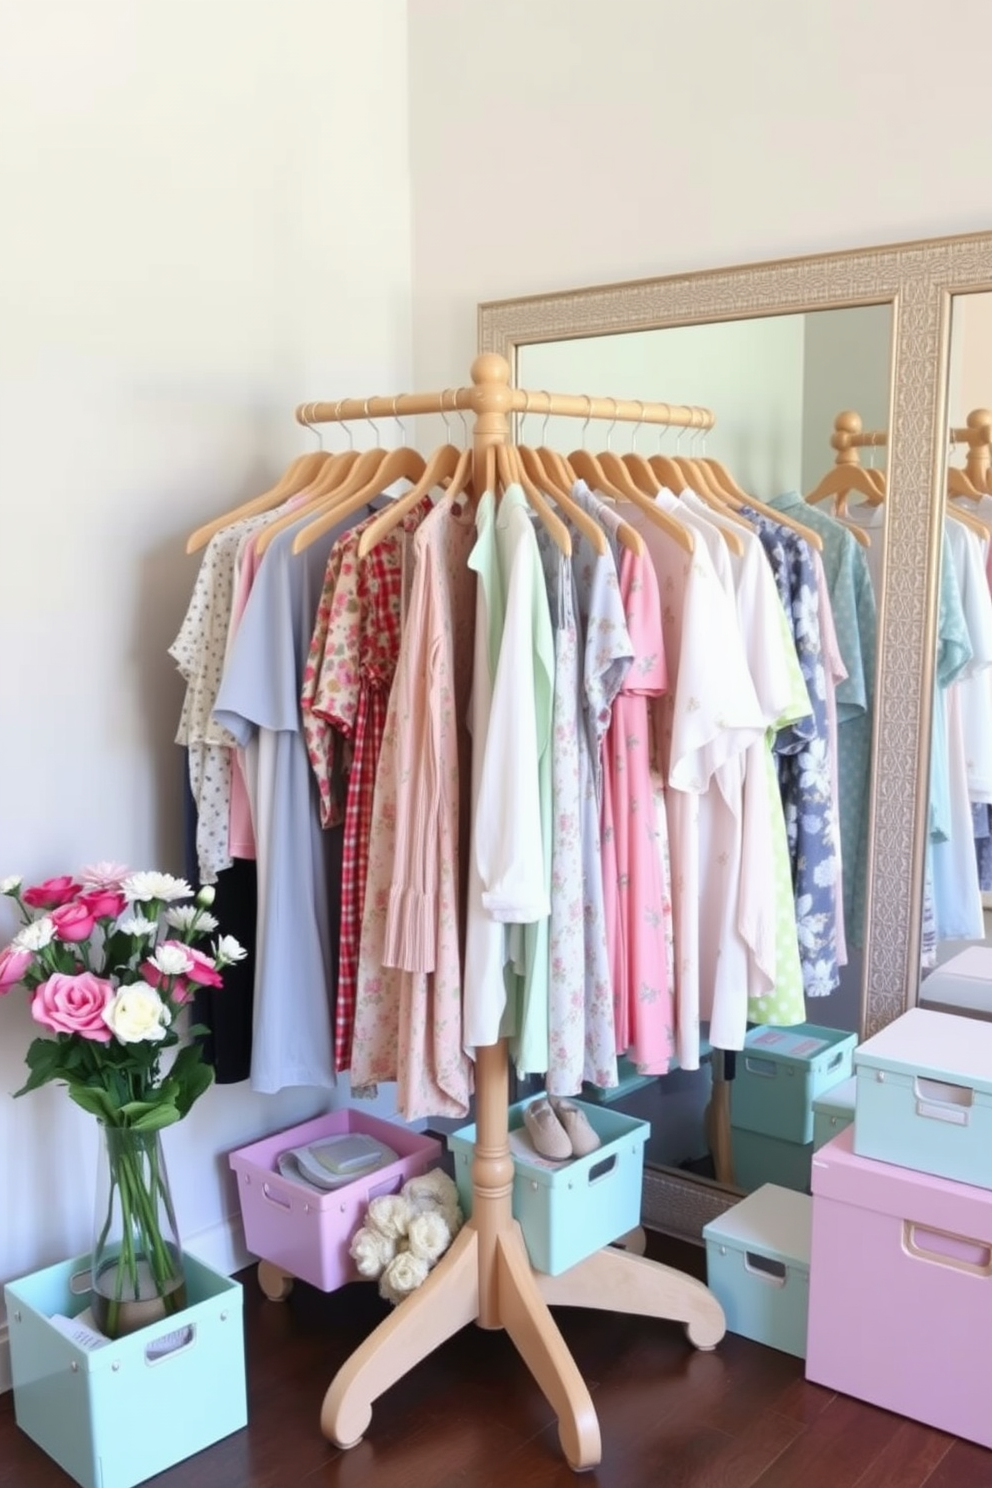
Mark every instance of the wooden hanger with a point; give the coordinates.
(842, 479)
(616, 472)
(590, 469)
(400, 464)
(446, 462)
(511, 472)
(533, 468)
(298, 474)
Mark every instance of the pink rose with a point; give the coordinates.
(73, 922)
(13, 965)
(74, 1004)
(104, 904)
(51, 893)
(204, 972)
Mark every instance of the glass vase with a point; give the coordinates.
(137, 1260)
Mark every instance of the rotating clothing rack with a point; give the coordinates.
(486, 1276)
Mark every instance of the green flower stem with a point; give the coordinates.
(136, 1178)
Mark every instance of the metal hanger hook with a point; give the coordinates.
(447, 425)
(585, 422)
(397, 420)
(461, 414)
(522, 416)
(640, 421)
(345, 424)
(365, 415)
(544, 426)
(613, 423)
(307, 417)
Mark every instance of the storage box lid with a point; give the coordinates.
(806, 1044)
(955, 1208)
(963, 983)
(776, 1222)
(838, 1100)
(939, 1046)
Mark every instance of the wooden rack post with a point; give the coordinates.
(486, 1275)
(848, 437)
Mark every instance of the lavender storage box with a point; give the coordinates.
(900, 1307)
(307, 1233)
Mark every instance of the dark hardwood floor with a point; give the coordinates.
(470, 1417)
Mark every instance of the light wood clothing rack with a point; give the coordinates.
(486, 1276)
(849, 437)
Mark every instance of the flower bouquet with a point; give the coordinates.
(110, 960)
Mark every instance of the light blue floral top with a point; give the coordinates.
(803, 756)
(852, 600)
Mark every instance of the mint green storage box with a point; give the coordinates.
(757, 1267)
(568, 1211)
(924, 1097)
(833, 1111)
(781, 1071)
(759, 1159)
(111, 1417)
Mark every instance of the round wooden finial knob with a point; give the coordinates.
(848, 422)
(979, 418)
(489, 366)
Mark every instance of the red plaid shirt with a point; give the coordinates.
(361, 649)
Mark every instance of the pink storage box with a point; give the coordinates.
(307, 1233)
(900, 1305)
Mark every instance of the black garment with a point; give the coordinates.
(227, 1011)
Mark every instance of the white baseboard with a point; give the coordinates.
(222, 1247)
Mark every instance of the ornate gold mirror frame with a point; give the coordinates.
(918, 280)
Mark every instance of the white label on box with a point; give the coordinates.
(78, 1332)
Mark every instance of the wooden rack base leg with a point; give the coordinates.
(616, 1281)
(447, 1302)
(534, 1332)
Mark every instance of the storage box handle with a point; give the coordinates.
(944, 1248)
(939, 1100)
(391, 1186)
(833, 1063)
(766, 1068)
(276, 1198)
(599, 1170)
(168, 1345)
(765, 1267)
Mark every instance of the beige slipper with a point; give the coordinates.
(546, 1132)
(576, 1125)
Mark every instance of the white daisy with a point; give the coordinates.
(151, 885)
(11, 883)
(105, 875)
(137, 925)
(172, 960)
(227, 950)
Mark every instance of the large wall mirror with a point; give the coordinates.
(840, 383)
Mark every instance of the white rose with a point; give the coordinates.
(227, 951)
(172, 960)
(36, 936)
(11, 883)
(151, 885)
(428, 1236)
(137, 925)
(389, 1214)
(371, 1252)
(136, 1014)
(404, 1274)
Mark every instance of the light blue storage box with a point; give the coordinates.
(833, 1111)
(117, 1415)
(757, 1266)
(779, 1074)
(567, 1210)
(760, 1159)
(924, 1097)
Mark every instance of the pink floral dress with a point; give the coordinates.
(408, 1008)
(643, 998)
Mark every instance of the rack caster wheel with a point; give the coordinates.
(274, 1282)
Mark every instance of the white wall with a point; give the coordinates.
(205, 220)
(750, 372)
(558, 143)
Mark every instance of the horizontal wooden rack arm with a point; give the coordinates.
(477, 400)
